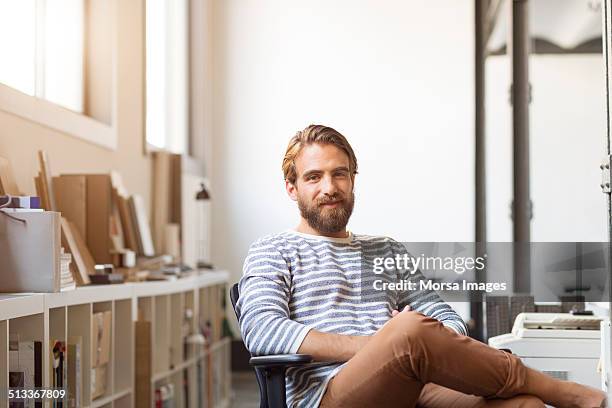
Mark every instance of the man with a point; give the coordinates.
(303, 292)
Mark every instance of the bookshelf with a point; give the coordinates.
(198, 375)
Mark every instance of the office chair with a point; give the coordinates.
(270, 370)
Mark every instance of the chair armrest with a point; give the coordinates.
(279, 360)
(271, 375)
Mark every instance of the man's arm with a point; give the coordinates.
(263, 306)
(263, 303)
(330, 346)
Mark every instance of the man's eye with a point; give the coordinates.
(312, 178)
(341, 174)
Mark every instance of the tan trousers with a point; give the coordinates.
(415, 361)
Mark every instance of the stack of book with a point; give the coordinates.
(67, 281)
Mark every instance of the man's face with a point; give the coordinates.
(323, 188)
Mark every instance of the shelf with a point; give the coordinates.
(107, 400)
(185, 364)
(179, 285)
(18, 305)
(15, 305)
(89, 294)
(174, 310)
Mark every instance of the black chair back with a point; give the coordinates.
(234, 295)
(261, 378)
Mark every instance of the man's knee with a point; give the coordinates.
(409, 325)
(527, 401)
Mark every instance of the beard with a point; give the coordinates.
(327, 220)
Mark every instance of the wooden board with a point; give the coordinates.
(127, 222)
(82, 264)
(7, 179)
(144, 367)
(99, 210)
(45, 180)
(71, 200)
(41, 192)
(161, 198)
(121, 210)
(176, 190)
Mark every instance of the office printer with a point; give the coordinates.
(562, 345)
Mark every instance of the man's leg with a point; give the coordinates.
(436, 396)
(412, 350)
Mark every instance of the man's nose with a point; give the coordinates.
(328, 186)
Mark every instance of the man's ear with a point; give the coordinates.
(291, 190)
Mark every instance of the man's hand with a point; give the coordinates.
(396, 312)
(331, 346)
(336, 347)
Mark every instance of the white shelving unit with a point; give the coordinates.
(200, 373)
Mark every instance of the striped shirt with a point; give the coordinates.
(295, 282)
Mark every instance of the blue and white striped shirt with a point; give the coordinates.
(295, 282)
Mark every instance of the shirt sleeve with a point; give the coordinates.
(428, 302)
(263, 304)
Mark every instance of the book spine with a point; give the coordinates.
(38, 383)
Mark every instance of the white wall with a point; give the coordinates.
(395, 77)
(567, 145)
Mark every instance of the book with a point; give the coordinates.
(16, 375)
(17, 380)
(101, 323)
(98, 381)
(143, 230)
(58, 368)
(30, 363)
(74, 388)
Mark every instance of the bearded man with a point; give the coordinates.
(302, 292)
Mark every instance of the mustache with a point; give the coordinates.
(330, 199)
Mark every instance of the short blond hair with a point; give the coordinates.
(315, 134)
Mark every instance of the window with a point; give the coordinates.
(59, 65)
(41, 42)
(167, 76)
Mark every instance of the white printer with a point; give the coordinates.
(562, 345)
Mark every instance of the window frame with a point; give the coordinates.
(198, 78)
(62, 119)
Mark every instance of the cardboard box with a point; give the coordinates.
(100, 338)
(98, 381)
